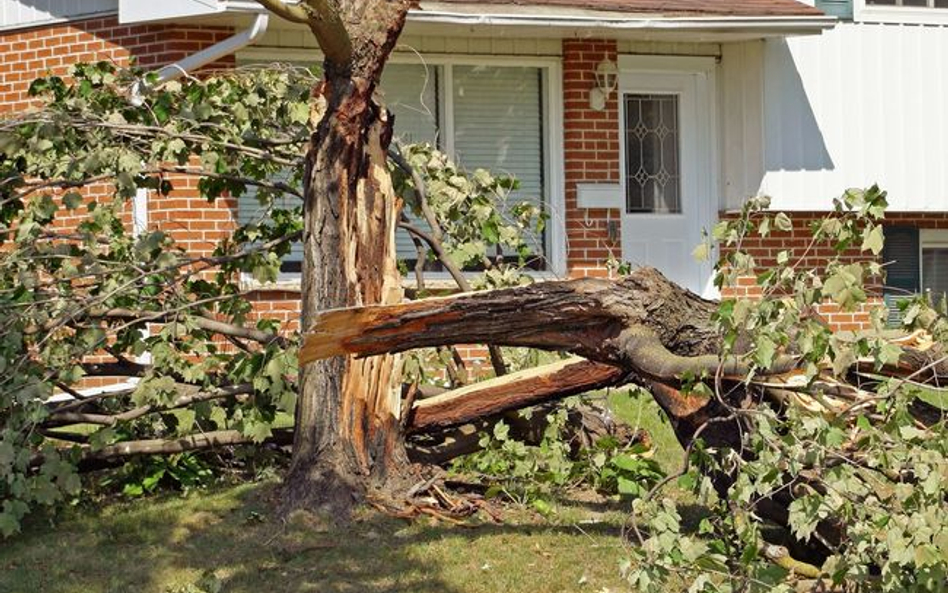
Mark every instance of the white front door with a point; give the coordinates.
(666, 149)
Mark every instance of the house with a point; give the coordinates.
(635, 122)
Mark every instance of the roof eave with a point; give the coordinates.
(765, 25)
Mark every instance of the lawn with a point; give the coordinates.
(168, 543)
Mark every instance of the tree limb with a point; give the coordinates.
(63, 418)
(518, 390)
(205, 323)
(290, 12)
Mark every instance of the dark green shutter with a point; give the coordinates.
(841, 9)
(902, 271)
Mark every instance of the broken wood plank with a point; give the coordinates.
(522, 389)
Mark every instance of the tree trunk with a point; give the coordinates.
(347, 427)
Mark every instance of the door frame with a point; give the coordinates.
(680, 74)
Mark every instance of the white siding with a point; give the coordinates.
(862, 104)
(25, 13)
(741, 112)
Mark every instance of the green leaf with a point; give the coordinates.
(805, 514)
(701, 252)
(873, 240)
(764, 352)
(783, 222)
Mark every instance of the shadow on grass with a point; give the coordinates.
(165, 545)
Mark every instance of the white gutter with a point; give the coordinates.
(217, 51)
(622, 23)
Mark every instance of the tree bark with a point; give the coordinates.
(347, 426)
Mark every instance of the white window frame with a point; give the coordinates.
(553, 150)
(913, 15)
(929, 238)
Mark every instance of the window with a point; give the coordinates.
(653, 179)
(497, 121)
(934, 249)
(917, 261)
(493, 116)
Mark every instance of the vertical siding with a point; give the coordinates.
(21, 13)
(858, 105)
(741, 137)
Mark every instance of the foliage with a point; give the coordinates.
(84, 295)
(868, 482)
(76, 280)
(183, 471)
(536, 474)
(481, 221)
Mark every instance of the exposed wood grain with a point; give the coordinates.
(514, 391)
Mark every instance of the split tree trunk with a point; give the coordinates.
(656, 332)
(347, 427)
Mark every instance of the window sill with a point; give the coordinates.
(433, 281)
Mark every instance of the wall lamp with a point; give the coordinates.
(607, 79)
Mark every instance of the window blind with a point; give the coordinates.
(411, 93)
(902, 269)
(498, 125)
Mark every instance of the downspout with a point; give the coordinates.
(217, 51)
(178, 69)
(204, 57)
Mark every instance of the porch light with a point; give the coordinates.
(607, 78)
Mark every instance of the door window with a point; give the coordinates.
(652, 138)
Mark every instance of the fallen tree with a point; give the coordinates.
(794, 423)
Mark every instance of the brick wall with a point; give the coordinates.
(796, 240)
(591, 145)
(28, 54)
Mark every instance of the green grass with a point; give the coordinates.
(165, 544)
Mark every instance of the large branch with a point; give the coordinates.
(324, 21)
(511, 392)
(643, 323)
(291, 12)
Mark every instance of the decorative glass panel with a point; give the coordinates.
(652, 162)
(935, 271)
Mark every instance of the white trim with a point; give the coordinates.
(908, 15)
(555, 184)
(934, 238)
(680, 64)
(62, 396)
(774, 24)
